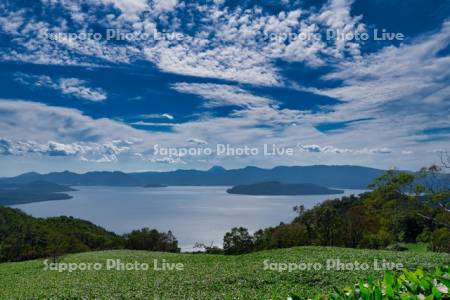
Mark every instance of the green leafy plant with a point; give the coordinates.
(408, 285)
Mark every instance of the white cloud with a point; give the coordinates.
(402, 90)
(76, 87)
(376, 151)
(197, 141)
(93, 152)
(324, 149)
(164, 5)
(142, 123)
(130, 8)
(217, 95)
(396, 73)
(11, 22)
(232, 63)
(167, 116)
(24, 120)
(69, 86)
(336, 16)
(167, 160)
(232, 44)
(170, 160)
(242, 45)
(157, 116)
(335, 150)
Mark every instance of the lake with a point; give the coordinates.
(193, 214)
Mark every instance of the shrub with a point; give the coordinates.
(424, 237)
(440, 240)
(379, 240)
(396, 247)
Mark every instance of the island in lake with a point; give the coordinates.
(275, 188)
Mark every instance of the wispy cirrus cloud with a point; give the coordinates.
(157, 116)
(414, 73)
(216, 95)
(27, 120)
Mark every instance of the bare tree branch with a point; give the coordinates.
(433, 220)
(444, 207)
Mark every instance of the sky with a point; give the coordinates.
(137, 85)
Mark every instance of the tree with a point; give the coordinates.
(328, 222)
(57, 246)
(238, 241)
(356, 221)
(300, 210)
(151, 240)
(211, 249)
(289, 235)
(435, 189)
(393, 181)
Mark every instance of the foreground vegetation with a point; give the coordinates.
(407, 285)
(203, 277)
(24, 237)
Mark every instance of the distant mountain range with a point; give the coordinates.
(274, 188)
(344, 177)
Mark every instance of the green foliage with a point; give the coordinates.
(378, 240)
(425, 236)
(204, 276)
(407, 285)
(237, 241)
(23, 237)
(152, 240)
(440, 240)
(397, 247)
(393, 181)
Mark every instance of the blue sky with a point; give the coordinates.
(243, 73)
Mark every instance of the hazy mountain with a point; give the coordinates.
(277, 188)
(330, 176)
(155, 185)
(34, 191)
(349, 177)
(74, 179)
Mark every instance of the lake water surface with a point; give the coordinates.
(194, 214)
